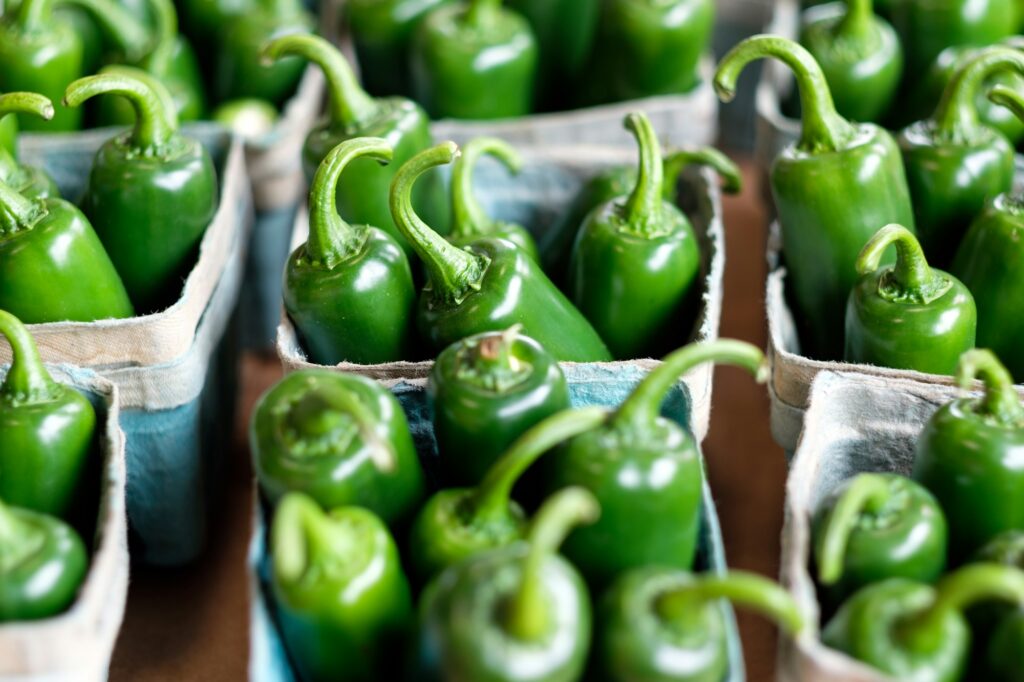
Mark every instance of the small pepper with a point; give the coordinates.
(349, 288)
(860, 54)
(42, 564)
(342, 439)
(152, 191)
(998, 629)
(458, 523)
(46, 430)
(29, 181)
(469, 220)
(907, 315)
(914, 631)
(488, 286)
(484, 618)
(969, 455)
(340, 592)
(251, 119)
(646, 470)
(635, 263)
(832, 190)
(660, 624)
(877, 526)
(474, 60)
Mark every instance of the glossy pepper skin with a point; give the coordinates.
(480, 618)
(833, 189)
(635, 263)
(351, 113)
(660, 624)
(469, 220)
(913, 631)
(486, 391)
(42, 566)
(954, 162)
(907, 315)
(874, 527)
(860, 54)
(46, 430)
(29, 181)
(969, 456)
(488, 286)
(458, 523)
(341, 439)
(474, 60)
(349, 288)
(647, 472)
(339, 588)
(152, 191)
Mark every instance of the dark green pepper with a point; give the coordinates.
(152, 191)
(342, 439)
(907, 315)
(833, 189)
(349, 288)
(46, 430)
(339, 589)
(860, 55)
(42, 564)
(474, 60)
(646, 470)
(29, 181)
(635, 263)
(998, 629)
(488, 286)
(969, 457)
(659, 624)
(483, 619)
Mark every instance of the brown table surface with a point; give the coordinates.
(192, 623)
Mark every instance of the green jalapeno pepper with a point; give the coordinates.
(250, 119)
(29, 181)
(998, 629)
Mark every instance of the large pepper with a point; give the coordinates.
(969, 457)
(907, 315)
(152, 191)
(46, 430)
(469, 220)
(474, 60)
(340, 592)
(877, 526)
(351, 113)
(349, 288)
(29, 181)
(833, 189)
(997, 629)
(635, 263)
(646, 470)
(342, 439)
(860, 55)
(660, 624)
(488, 286)
(458, 523)
(483, 619)
(42, 564)
(914, 631)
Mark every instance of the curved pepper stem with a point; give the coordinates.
(303, 535)
(468, 217)
(643, 406)
(823, 129)
(643, 207)
(482, 11)
(331, 239)
(121, 28)
(867, 493)
(956, 117)
(858, 20)
(527, 617)
(1000, 401)
(489, 363)
(1008, 97)
(18, 212)
(27, 380)
(910, 278)
(22, 103)
(349, 104)
(727, 170)
(453, 272)
(165, 34)
(155, 122)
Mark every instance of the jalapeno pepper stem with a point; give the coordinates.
(468, 217)
(301, 534)
(120, 27)
(487, 362)
(999, 400)
(823, 129)
(910, 278)
(18, 212)
(348, 403)
(684, 604)
(331, 239)
(1008, 97)
(155, 123)
(165, 32)
(642, 210)
(956, 117)
(21, 103)
(453, 272)
(491, 498)
(528, 618)
(27, 379)
(867, 493)
(642, 407)
(348, 104)
(859, 18)
(676, 161)
(480, 11)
